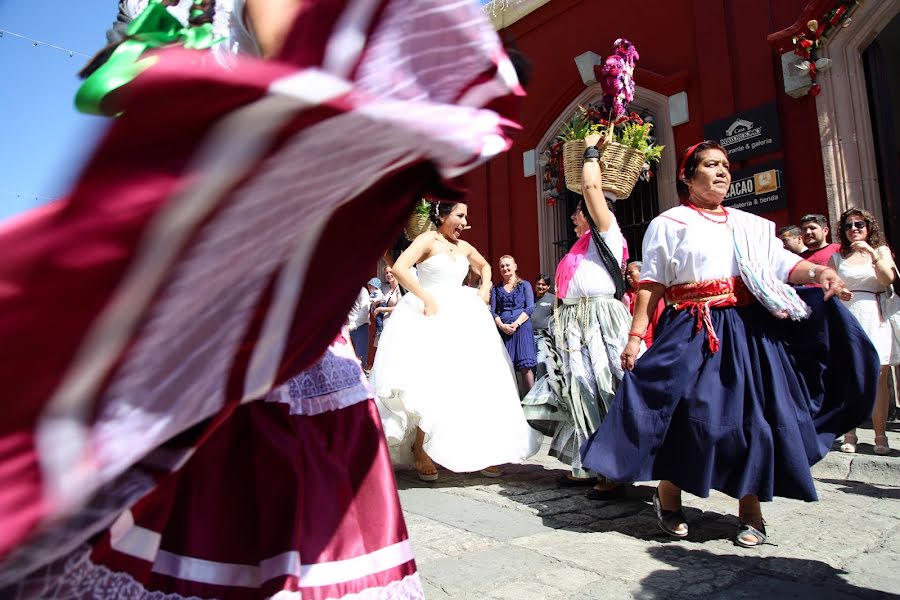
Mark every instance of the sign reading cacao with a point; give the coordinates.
(759, 189)
(749, 133)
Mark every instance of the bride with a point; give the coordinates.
(444, 384)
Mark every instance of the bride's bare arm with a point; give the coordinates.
(419, 249)
(482, 267)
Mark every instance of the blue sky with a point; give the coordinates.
(44, 140)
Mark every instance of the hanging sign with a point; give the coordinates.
(749, 133)
(759, 189)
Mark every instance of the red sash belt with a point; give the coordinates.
(700, 296)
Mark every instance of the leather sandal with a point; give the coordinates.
(849, 444)
(569, 481)
(669, 520)
(429, 477)
(426, 476)
(759, 536)
(614, 493)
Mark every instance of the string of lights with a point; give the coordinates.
(34, 42)
(23, 195)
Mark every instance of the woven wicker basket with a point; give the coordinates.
(621, 167)
(417, 225)
(573, 160)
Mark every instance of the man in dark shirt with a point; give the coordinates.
(815, 236)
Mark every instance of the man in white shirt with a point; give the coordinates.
(358, 323)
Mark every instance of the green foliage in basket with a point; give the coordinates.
(629, 130)
(423, 208)
(635, 133)
(579, 127)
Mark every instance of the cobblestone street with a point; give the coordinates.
(520, 536)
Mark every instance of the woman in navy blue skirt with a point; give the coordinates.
(512, 301)
(748, 381)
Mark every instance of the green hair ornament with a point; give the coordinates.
(154, 28)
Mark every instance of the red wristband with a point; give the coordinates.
(643, 338)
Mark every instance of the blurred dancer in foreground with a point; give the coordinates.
(138, 459)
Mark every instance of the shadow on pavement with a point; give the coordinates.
(691, 571)
(864, 489)
(535, 489)
(750, 577)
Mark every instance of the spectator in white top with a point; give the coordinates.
(358, 322)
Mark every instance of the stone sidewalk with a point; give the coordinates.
(864, 466)
(521, 537)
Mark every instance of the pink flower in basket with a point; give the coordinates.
(617, 78)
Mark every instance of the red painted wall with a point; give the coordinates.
(722, 46)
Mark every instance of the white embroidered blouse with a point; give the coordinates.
(684, 246)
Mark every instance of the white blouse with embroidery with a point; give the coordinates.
(682, 245)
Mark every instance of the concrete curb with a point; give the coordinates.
(878, 470)
(865, 466)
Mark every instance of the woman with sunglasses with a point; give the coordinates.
(866, 265)
(730, 395)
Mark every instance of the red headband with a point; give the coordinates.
(684, 159)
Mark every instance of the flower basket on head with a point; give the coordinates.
(419, 221)
(622, 167)
(627, 144)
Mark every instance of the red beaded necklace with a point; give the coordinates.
(703, 213)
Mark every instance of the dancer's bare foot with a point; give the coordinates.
(425, 469)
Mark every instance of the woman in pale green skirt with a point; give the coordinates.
(589, 330)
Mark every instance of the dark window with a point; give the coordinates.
(635, 213)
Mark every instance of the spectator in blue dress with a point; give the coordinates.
(512, 302)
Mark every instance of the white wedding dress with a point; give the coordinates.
(450, 375)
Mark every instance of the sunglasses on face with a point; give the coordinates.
(854, 225)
